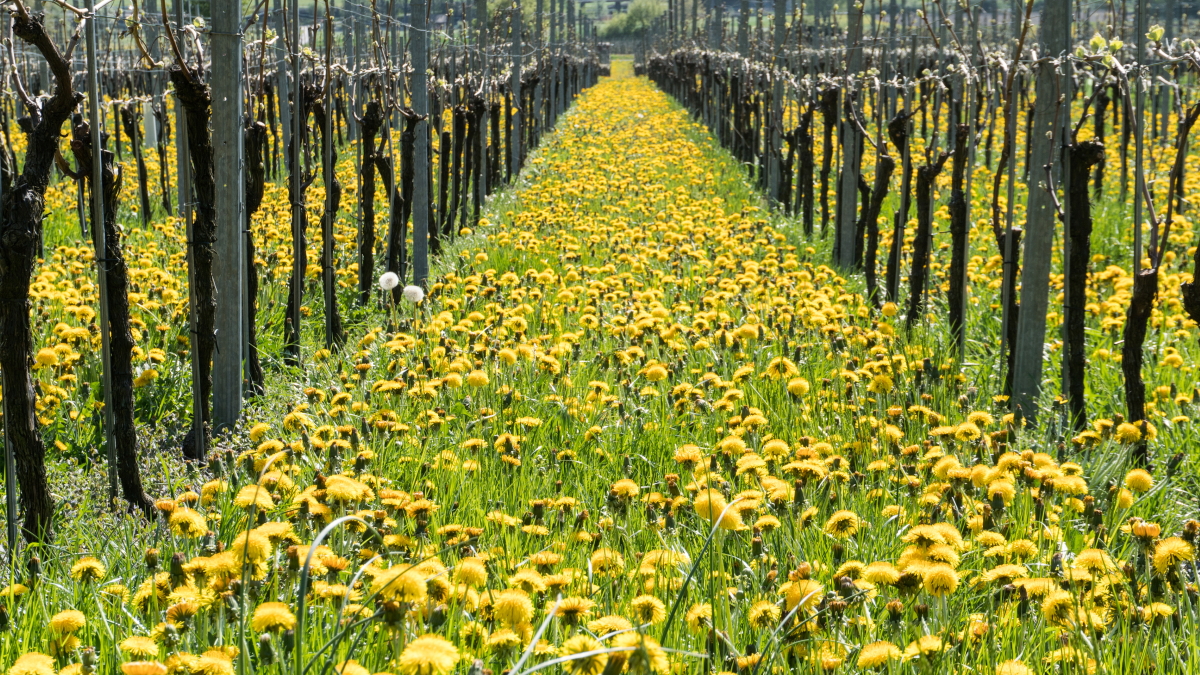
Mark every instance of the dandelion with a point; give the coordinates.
(803, 592)
(607, 562)
(981, 418)
(350, 667)
(139, 647)
(428, 655)
(655, 373)
(504, 641)
(1013, 667)
(967, 432)
(646, 657)
(940, 580)
(143, 668)
(214, 662)
(842, 524)
(609, 624)
(1071, 655)
(1058, 608)
(1003, 489)
(798, 387)
(924, 647)
(1156, 612)
(117, 592)
(400, 583)
(346, 489)
(67, 622)
(259, 431)
(881, 573)
(699, 617)
(648, 609)
(878, 654)
(625, 489)
(413, 294)
(271, 617)
(254, 496)
(780, 368)
(13, 591)
(764, 614)
(250, 548)
(471, 571)
(32, 663)
(580, 662)
(88, 569)
(1127, 433)
(573, 610)
(880, 384)
(711, 505)
(188, 523)
(145, 377)
(1169, 553)
(388, 281)
(1139, 480)
(513, 607)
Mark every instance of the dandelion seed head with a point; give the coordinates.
(388, 281)
(414, 294)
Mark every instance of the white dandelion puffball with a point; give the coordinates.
(414, 293)
(388, 281)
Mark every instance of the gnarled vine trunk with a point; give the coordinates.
(120, 340)
(1083, 157)
(883, 174)
(22, 204)
(924, 237)
(329, 220)
(369, 126)
(960, 231)
(196, 100)
(255, 143)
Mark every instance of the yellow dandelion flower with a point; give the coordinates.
(842, 524)
(88, 569)
(139, 647)
(878, 654)
(648, 609)
(580, 661)
(142, 668)
(271, 617)
(67, 622)
(512, 607)
(1169, 553)
(428, 655)
(400, 583)
(32, 663)
(710, 505)
(254, 496)
(1139, 481)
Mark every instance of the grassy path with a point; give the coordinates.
(630, 402)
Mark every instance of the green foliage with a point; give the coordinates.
(635, 21)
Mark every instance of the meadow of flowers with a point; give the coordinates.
(637, 425)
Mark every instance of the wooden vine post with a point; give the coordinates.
(515, 88)
(851, 145)
(420, 106)
(229, 266)
(95, 126)
(1045, 140)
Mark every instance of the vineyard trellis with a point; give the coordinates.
(944, 66)
(252, 97)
